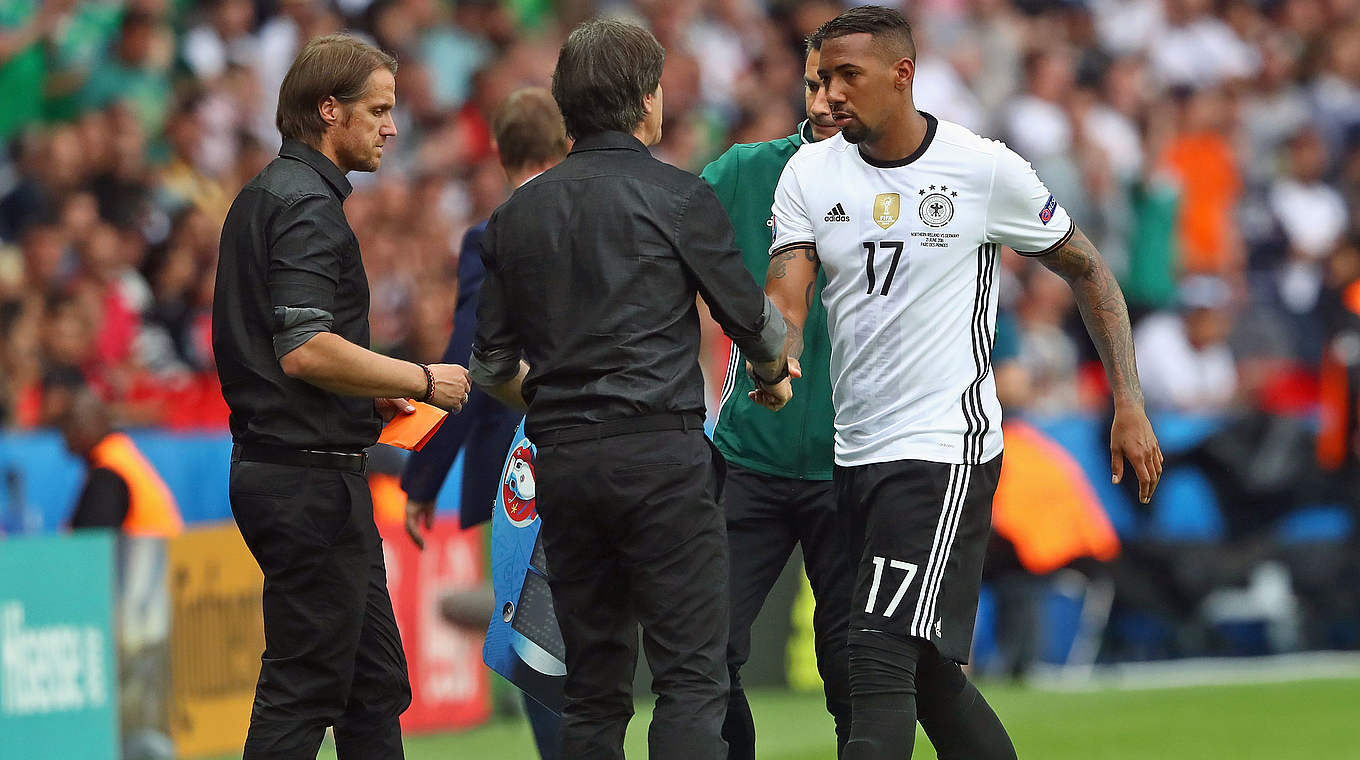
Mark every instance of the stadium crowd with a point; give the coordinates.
(1210, 149)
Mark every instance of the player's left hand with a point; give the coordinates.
(391, 407)
(418, 512)
(1131, 438)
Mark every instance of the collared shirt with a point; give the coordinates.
(290, 264)
(796, 443)
(591, 274)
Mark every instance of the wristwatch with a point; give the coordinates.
(783, 373)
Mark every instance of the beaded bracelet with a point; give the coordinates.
(429, 382)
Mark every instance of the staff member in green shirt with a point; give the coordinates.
(770, 505)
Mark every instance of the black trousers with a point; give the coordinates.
(766, 517)
(332, 655)
(633, 534)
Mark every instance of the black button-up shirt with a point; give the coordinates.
(591, 273)
(288, 255)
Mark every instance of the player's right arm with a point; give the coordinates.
(791, 280)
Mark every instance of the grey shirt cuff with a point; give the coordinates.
(769, 344)
(294, 326)
(490, 368)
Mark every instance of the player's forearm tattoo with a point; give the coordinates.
(793, 340)
(1102, 307)
(779, 265)
(793, 319)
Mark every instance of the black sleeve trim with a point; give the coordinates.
(790, 246)
(1061, 242)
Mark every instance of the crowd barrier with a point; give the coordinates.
(41, 480)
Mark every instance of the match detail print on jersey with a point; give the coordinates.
(909, 250)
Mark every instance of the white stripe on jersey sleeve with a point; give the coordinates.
(1021, 212)
(792, 222)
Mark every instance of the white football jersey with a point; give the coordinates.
(910, 252)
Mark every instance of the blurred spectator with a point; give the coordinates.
(182, 181)
(23, 27)
(224, 38)
(1036, 125)
(122, 490)
(1198, 49)
(1047, 353)
(1336, 87)
(1200, 155)
(136, 71)
(1311, 211)
(1184, 361)
(1276, 108)
(1338, 448)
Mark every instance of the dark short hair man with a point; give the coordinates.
(778, 492)
(921, 209)
(592, 272)
(290, 335)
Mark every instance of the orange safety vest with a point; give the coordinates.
(151, 508)
(1045, 506)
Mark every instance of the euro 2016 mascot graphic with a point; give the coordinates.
(523, 643)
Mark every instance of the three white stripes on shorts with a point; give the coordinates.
(945, 530)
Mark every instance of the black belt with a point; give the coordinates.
(327, 460)
(651, 423)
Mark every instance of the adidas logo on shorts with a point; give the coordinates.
(836, 214)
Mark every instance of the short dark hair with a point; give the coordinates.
(889, 28)
(604, 71)
(814, 41)
(528, 129)
(336, 65)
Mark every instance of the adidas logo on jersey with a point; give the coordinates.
(836, 214)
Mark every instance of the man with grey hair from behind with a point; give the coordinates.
(307, 397)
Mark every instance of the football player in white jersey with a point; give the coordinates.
(907, 214)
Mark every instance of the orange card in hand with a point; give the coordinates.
(412, 431)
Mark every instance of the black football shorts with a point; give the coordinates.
(920, 530)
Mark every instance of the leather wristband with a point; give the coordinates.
(783, 373)
(429, 382)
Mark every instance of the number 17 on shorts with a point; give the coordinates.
(909, 571)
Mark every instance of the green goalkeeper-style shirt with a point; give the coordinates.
(796, 441)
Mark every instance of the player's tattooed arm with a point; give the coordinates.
(1106, 315)
(1102, 307)
(790, 282)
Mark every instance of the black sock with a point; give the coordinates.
(882, 696)
(959, 722)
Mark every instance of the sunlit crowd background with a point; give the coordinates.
(1210, 149)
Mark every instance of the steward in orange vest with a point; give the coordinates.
(122, 489)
